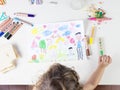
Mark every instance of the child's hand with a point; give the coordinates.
(104, 61)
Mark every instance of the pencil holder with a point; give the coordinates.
(2, 2)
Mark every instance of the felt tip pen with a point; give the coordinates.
(87, 46)
(92, 35)
(24, 14)
(5, 29)
(12, 32)
(39, 1)
(101, 51)
(4, 23)
(13, 26)
(23, 21)
(32, 1)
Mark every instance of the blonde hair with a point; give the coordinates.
(59, 77)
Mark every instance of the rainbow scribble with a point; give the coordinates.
(56, 42)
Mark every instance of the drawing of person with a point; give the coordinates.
(71, 52)
(79, 45)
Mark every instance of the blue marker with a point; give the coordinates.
(24, 14)
(32, 1)
(29, 23)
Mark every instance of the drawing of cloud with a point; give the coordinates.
(67, 33)
(63, 27)
(47, 33)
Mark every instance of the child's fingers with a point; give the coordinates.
(105, 59)
(100, 58)
(109, 60)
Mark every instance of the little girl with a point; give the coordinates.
(60, 77)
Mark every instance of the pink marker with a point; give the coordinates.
(92, 18)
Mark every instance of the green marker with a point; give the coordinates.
(101, 47)
(101, 52)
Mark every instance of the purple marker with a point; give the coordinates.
(39, 2)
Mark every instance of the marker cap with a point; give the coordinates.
(1, 33)
(101, 52)
(31, 15)
(7, 34)
(10, 35)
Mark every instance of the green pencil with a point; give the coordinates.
(101, 47)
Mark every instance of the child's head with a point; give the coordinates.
(78, 35)
(59, 77)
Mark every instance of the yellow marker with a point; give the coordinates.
(92, 35)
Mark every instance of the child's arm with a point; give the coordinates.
(93, 81)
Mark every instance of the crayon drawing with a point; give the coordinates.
(60, 41)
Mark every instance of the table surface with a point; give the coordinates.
(27, 73)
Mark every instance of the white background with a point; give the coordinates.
(26, 73)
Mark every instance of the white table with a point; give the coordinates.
(27, 73)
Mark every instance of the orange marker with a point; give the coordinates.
(4, 23)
